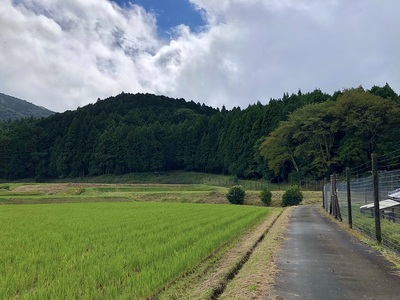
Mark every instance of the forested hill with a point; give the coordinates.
(12, 108)
(144, 132)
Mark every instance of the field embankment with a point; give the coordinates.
(36, 193)
(255, 280)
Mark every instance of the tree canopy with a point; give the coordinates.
(325, 137)
(302, 134)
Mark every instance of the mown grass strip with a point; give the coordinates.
(219, 290)
(255, 280)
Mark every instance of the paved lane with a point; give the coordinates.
(322, 261)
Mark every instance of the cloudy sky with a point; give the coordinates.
(62, 54)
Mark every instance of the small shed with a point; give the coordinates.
(387, 208)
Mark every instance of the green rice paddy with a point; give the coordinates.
(103, 250)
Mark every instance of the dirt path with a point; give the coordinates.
(320, 260)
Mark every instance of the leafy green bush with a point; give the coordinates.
(236, 195)
(266, 196)
(292, 196)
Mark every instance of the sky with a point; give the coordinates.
(170, 13)
(66, 54)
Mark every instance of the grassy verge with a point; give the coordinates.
(366, 239)
(257, 276)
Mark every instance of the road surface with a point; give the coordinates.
(319, 260)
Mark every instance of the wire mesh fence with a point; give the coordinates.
(362, 204)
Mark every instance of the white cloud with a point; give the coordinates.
(64, 54)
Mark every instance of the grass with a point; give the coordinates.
(256, 279)
(216, 272)
(366, 223)
(95, 192)
(110, 250)
(85, 192)
(364, 230)
(390, 231)
(182, 177)
(4, 187)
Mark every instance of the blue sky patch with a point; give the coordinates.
(170, 13)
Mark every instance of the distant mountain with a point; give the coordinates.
(12, 108)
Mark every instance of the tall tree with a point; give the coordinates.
(367, 117)
(320, 138)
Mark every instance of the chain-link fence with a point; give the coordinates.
(362, 202)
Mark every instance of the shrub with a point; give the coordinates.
(292, 196)
(266, 196)
(236, 195)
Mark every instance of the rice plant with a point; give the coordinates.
(109, 250)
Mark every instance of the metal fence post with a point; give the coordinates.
(331, 205)
(323, 193)
(376, 198)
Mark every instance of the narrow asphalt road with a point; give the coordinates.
(319, 260)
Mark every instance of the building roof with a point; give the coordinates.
(395, 195)
(382, 204)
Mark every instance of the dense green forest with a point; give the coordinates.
(302, 134)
